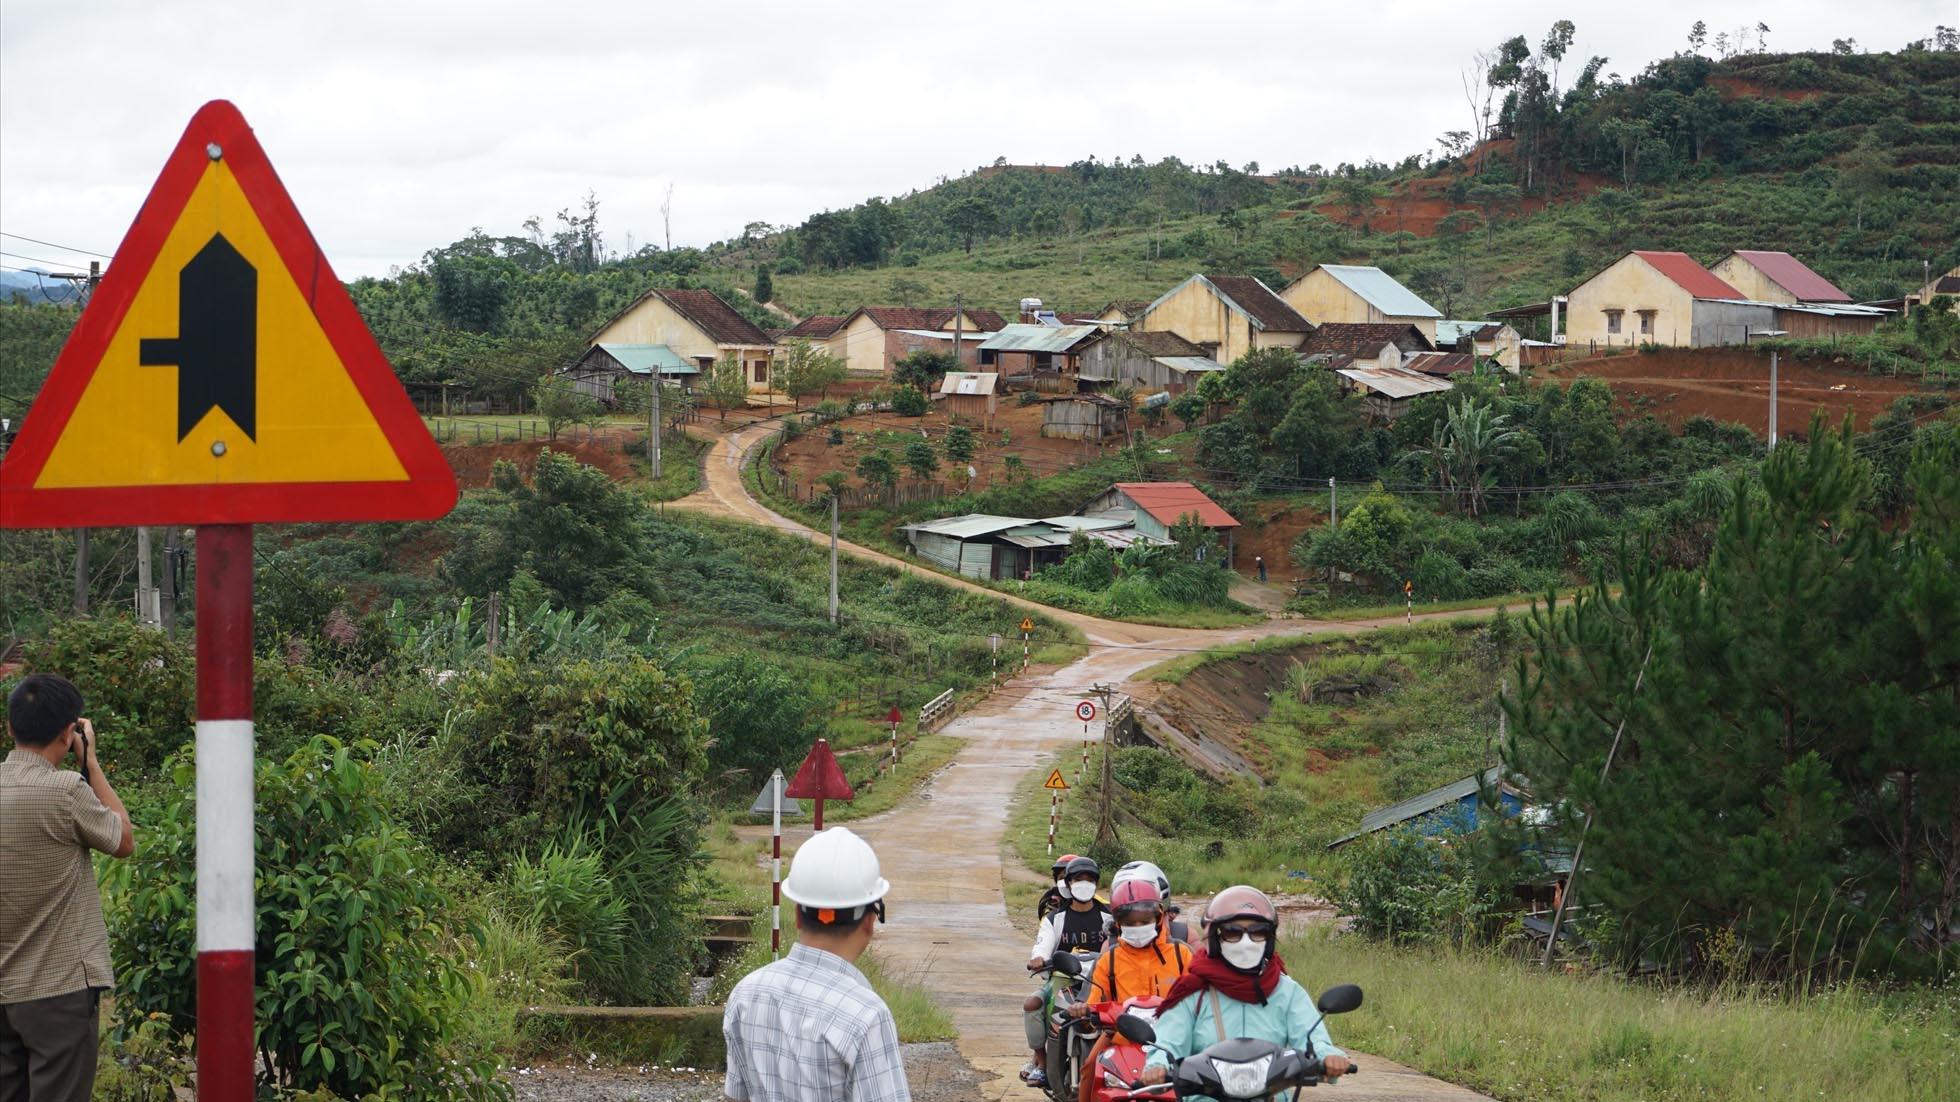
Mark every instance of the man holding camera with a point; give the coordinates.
(54, 948)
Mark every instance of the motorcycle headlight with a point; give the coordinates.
(1247, 1080)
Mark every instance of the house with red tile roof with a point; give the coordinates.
(1775, 277)
(1228, 316)
(872, 338)
(693, 326)
(1157, 507)
(1661, 298)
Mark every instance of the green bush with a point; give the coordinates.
(138, 686)
(759, 717)
(907, 402)
(357, 991)
(566, 890)
(1408, 887)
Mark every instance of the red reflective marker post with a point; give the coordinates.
(225, 911)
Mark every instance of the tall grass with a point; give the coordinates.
(1515, 1031)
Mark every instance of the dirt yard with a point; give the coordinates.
(1733, 385)
(1269, 533)
(1016, 430)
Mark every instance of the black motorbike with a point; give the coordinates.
(1244, 1068)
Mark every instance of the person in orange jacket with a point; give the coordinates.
(1140, 961)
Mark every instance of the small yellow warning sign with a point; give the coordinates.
(1055, 781)
(1027, 624)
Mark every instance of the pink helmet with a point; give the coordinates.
(1241, 901)
(1136, 893)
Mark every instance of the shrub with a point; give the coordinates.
(137, 684)
(1407, 887)
(907, 402)
(566, 890)
(357, 995)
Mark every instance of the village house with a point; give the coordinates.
(1490, 340)
(1454, 808)
(695, 327)
(1147, 360)
(1092, 417)
(1947, 285)
(1035, 352)
(1661, 298)
(1442, 364)
(597, 373)
(1387, 391)
(1157, 507)
(1367, 344)
(1228, 316)
(873, 338)
(1359, 293)
(1764, 276)
(982, 546)
(820, 330)
(1122, 311)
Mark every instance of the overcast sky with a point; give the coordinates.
(399, 125)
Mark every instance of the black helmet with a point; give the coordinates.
(1083, 865)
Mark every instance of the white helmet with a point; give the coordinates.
(1142, 870)
(835, 870)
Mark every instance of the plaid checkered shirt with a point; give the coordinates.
(808, 1028)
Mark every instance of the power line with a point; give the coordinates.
(36, 259)
(53, 245)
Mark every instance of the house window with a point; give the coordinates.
(1613, 320)
(761, 370)
(1647, 323)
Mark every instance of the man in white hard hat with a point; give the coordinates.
(808, 1028)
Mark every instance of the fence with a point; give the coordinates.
(936, 711)
(850, 497)
(459, 430)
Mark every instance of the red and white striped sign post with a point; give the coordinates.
(1086, 712)
(1055, 786)
(225, 912)
(892, 717)
(776, 868)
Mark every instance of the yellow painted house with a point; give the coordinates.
(1360, 295)
(1227, 315)
(695, 326)
(1660, 298)
(1765, 276)
(873, 338)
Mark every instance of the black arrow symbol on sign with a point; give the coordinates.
(216, 349)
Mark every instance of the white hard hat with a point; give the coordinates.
(835, 870)
(1142, 870)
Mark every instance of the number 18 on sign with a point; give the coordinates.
(221, 377)
(1055, 786)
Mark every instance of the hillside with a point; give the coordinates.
(1851, 160)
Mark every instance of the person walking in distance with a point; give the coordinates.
(809, 1028)
(54, 947)
(1259, 562)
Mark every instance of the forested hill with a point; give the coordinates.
(1849, 159)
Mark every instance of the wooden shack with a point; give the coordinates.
(1148, 360)
(1092, 417)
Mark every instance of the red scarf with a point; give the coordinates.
(1208, 971)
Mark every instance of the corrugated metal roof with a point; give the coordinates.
(1036, 535)
(1167, 501)
(1793, 275)
(1688, 275)
(645, 359)
(968, 382)
(1040, 338)
(1435, 799)
(968, 526)
(1395, 382)
(1442, 363)
(1189, 364)
(1830, 309)
(1089, 524)
(1381, 291)
(1449, 332)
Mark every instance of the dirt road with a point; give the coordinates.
(942, 848)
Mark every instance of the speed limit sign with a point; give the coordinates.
(1085, 711)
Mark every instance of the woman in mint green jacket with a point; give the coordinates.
(1238, 987)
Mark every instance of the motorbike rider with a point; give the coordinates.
(1141, 961)
(1238, 987)
(1076, 928)
(1147, 871)
(1055, 898)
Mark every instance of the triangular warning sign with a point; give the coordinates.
(220, 374)
(820, 777)
(1055, 781)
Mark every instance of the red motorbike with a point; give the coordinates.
(1121, 1065)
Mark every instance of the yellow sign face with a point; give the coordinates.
(1055, 781)
(311, 422)
(1027, 624)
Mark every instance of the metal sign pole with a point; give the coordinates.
(776, 868)
(224, 813)
(1082, 774)
(1054, 813)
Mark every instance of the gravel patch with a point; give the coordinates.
(937, 1073)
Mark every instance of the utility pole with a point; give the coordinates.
(833, 556)
(1333, 505)
(147, 611)
(167, 598)
(959, 325)
(1772, 399)
(1105, 829)
(653, 427)
(81, 572)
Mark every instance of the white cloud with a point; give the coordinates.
(399, 126)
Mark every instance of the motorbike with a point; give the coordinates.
(1067, 1046)
(1121, 1065)
(1241, 1067)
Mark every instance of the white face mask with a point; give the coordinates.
(1061, 886)
(1083, 890)
(1244, 954)
(1138, 936)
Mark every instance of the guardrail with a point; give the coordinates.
(936, 711)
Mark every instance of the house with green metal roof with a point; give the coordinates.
(1361, 294)
(597, 373)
